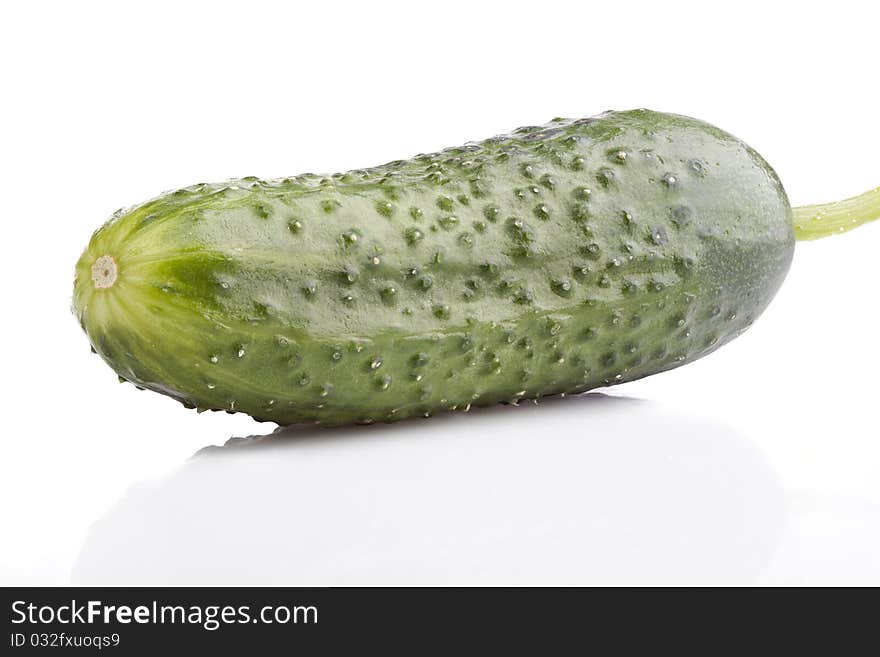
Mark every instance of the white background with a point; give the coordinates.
(759, 464)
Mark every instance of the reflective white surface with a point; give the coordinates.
(588, 490)
(758, 464)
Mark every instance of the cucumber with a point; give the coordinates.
(555, 259)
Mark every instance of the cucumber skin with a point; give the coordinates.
(555, 259)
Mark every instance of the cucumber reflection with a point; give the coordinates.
(595, 490)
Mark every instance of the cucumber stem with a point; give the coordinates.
(813, 222)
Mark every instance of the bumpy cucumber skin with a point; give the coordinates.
(556, 259)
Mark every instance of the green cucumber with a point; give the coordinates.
(555, 259)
